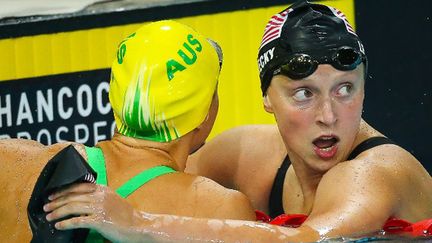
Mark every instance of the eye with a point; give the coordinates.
(302, 95)
(344, 90)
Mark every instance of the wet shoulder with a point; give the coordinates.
(24, 148)
(385, 156)
(257, 140)
(200, 187)
(217, 201)
(390, 172)
(387, 165)
(210, 199)
(191, 195)
(259, 131)
(381, 157)
(245, 146)
(262, 153)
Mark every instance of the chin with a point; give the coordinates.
(322, 166)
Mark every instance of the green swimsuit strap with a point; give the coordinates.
(145, 176)
(96, 160)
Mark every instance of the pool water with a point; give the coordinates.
(387, 238)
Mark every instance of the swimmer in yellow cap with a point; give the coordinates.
(163, 92)
(161, 88)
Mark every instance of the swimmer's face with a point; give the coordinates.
(205, 128)
(318, 116)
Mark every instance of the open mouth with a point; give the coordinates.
(326, 146)
(325, 142)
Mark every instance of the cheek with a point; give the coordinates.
(293, 122)
(350, 116)
(356, 106)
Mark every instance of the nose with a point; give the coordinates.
(326, 113)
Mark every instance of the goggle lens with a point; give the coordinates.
(303, 65)
(346, 59)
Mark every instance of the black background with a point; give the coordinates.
(397, 36)
(55, 83)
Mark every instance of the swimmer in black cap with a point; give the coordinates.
(322, 165)
(303, 36)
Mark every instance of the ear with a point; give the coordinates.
(267, 104)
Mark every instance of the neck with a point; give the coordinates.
(173, 154)
(307, 179)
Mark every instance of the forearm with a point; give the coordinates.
(103, 210)
(169, 228)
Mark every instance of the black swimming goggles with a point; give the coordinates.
(302, 65)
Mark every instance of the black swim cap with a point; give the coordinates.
(303, 28)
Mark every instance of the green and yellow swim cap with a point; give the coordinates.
(163, 81)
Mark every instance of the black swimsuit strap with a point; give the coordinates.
(367, 144)
(275, 200)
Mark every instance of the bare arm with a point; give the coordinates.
(343, 206)
(118, 221)
(354, 199)
(169, 228)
